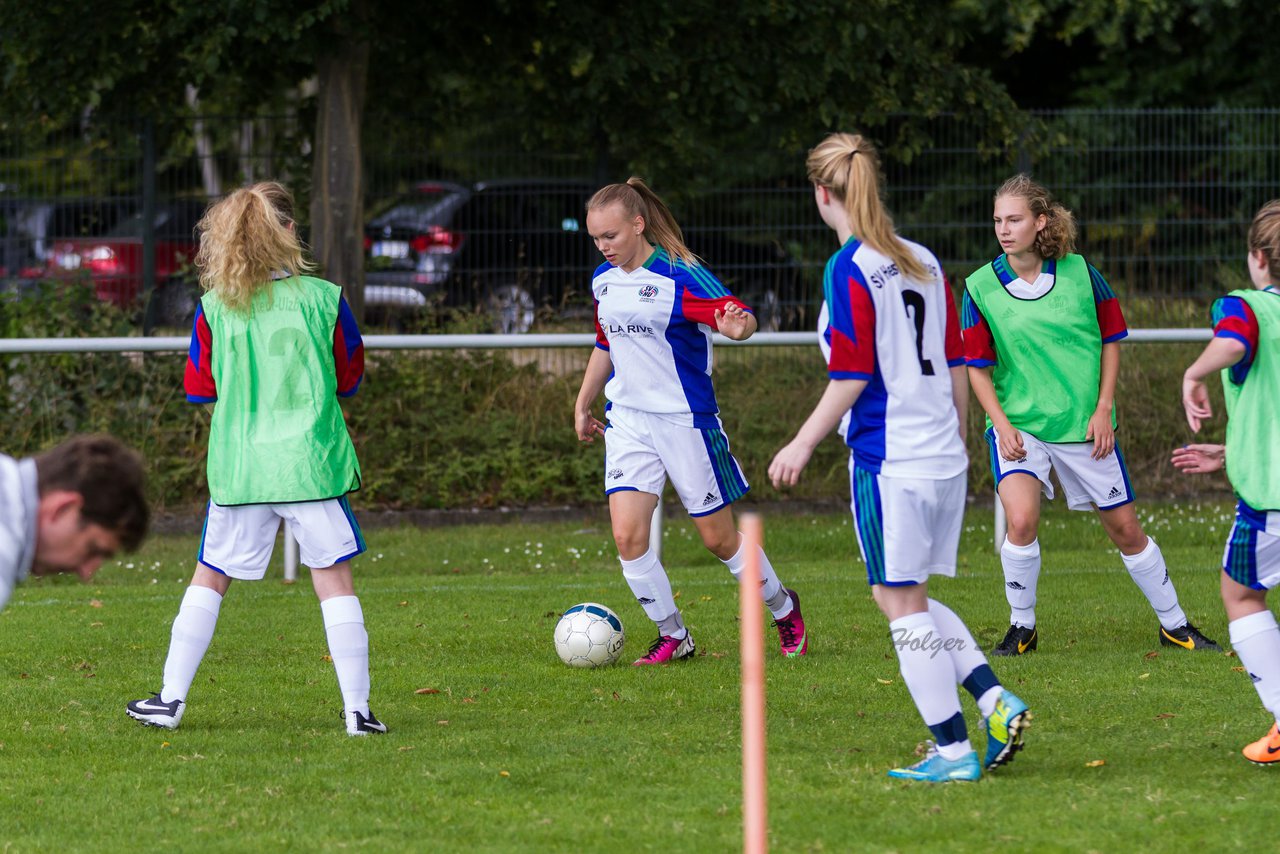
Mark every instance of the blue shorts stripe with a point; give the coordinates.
(727, 474)
(355, 526)
(1242, 557)
(869, 522)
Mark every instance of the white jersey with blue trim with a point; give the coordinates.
(902, 337)
(656, 322)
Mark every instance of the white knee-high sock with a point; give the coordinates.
(930, 677)
(189, 640)
(1256, 639)
(349, 649)
(1148, 571)
(648, 581)
(967, 659)
(775, 597)
(1021, 575)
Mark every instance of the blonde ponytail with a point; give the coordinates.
(245, 239)
(847, 165)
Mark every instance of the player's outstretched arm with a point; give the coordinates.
(1218, 354)
(599, 366)
(1199, 459)
(838, 399)
(735, 322)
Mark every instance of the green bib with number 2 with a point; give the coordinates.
(278, 435)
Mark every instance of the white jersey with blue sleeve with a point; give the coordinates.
(902, 337)
(656, 323)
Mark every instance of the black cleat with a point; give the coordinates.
(358, 724)
(1017, 640)
(1187, 636)
(152, 711)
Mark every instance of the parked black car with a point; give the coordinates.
(515, 248)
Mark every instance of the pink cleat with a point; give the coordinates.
(667, 648)
(791, 636)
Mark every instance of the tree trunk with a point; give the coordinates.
(337, 172)
(204, 148)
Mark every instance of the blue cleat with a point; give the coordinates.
(935, 768)
(1005, 728)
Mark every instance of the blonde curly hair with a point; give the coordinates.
(247, 238)
(1058, 237)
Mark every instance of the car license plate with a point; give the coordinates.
(390, 249)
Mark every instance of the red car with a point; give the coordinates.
(113, 261)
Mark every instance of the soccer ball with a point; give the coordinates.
(589, 635)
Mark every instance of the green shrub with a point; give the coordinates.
(495, 428)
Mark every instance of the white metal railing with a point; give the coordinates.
(501, 342)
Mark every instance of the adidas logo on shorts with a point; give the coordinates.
(710, 499)
(1114, 493)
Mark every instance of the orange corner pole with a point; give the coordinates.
(755, 822)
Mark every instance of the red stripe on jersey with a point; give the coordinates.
(856, 355)
(954, 347)
(601, 341)
(703, 309)
(1111, 320)
(348, 366)
(979, 343)
(1244, 328)
(197, 379)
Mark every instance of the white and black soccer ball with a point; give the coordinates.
(589, 635)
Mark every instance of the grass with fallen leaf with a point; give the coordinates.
(496, 746)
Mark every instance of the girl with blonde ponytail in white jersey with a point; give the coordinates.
(656, 307)
(896, 377)
(1042, 331)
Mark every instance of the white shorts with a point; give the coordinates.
(908, 528)
(1252, 555)
(1086, 481)
(238, 541)
(641, 450)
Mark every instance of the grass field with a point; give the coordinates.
(1133, 747)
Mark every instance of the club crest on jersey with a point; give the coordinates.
(647, 293)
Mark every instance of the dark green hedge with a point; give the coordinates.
(489, 429)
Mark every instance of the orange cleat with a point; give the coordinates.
(1266, 750)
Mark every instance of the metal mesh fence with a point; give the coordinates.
(473, 241)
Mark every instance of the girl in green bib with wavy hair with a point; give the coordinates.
(274, 349)
(1042, 331)
(1246, 350)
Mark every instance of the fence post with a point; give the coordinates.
(290, 554)
(148, 225)
(655, 530)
